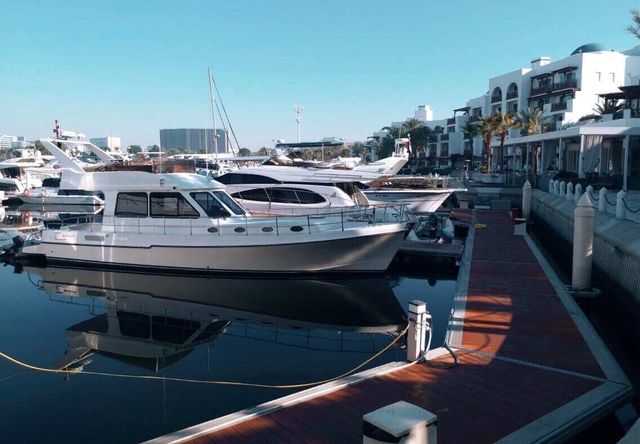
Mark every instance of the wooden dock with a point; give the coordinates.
(531, 366)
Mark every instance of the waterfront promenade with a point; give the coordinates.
(531, 366)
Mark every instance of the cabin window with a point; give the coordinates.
(131, 205)
(283, 195)
(309, 197)
(257, 195)
(212, 207)
(8, 187)
(171, 205)
(238, 179)
(229, 202)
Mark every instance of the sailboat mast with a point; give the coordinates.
(213, 120)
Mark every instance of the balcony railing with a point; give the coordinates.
(558, 106)
(451, 121)
(444, 137)
(567, 84)
(512, 95)
(474, 119)
(495, 99)
(544, 89)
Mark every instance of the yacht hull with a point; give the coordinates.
(350, 254)
(417, 201)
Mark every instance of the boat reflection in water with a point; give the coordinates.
(152, 320)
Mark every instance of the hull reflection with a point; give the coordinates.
(152, 320)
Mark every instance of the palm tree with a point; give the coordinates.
(488, 130)
(530, 121)
(471, 130)
(394, 131)
(411, 124)
(605, 106)
(504, 122)
(635, 28)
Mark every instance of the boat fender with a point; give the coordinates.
(18, 242)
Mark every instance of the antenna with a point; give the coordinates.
(298, 109)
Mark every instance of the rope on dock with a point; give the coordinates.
(200, 381)
(628, 208)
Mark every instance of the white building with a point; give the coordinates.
(424, 113)
(566, 91)
(6, 141)
(111, 143)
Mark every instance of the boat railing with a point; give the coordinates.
(344, 219)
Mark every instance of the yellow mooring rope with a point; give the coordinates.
(201, 381)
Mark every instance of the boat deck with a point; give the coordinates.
(531, 366)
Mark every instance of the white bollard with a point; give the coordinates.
(589, 190)
(620, 210)
(400, 422)
(526, 200)
(569, 194)
(419, 323)
(582, 244)
(578, 193)
(551, 186)
(563, 188)
(557, 187)
(602, 200)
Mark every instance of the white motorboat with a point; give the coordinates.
(46, 197)
(268, 190)
(186, 222)
(422, 194)
(17, 223)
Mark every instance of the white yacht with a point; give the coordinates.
(187, 222)
(54, 189)
(422, 194)
(274, 190)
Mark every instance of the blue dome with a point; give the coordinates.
(589, 47)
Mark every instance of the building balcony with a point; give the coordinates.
(512, 95)
(495, 99)
(444, 137)
(560, 106)
(567, 84)
(451, 121)
(544, 89)
(474, 119)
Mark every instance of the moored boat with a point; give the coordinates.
(186, 222)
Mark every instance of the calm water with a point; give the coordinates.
(266, 331)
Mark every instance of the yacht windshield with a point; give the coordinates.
(229, 202)
(211, 206)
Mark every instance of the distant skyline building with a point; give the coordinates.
(424, 113)
(6, 141)
(112, 143)
(193, 140)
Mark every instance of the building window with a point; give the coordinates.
(598, 76)
(612, 76)
(171, 205)
(131, 205)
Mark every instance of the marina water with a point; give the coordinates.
(252, 330)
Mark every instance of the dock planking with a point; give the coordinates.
(522, 358)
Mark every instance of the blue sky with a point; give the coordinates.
(129, 68)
